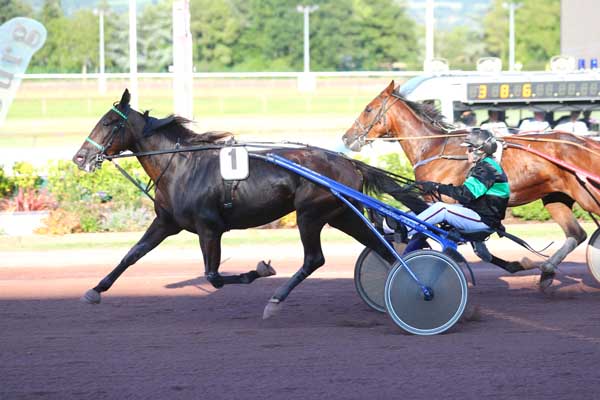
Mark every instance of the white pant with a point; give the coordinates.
(457, 215)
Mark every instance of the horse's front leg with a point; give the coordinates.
(210, 243)
(310, 234)
(156, 233)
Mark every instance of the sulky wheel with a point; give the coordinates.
(592, 255)
(406, 303)
(370, 273)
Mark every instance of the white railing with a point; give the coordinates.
(225, 75)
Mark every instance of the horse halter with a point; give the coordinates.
(380, 116)
(118, 128)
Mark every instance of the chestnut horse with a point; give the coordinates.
(434, 151)
(191, 194)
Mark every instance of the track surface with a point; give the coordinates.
(163, 333)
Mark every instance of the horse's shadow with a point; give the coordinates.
(199, 283)
(570, 279)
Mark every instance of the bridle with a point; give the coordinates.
(380, 116)
(118, 128)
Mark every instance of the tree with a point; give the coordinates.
(495, 27)
(537, 32)
(271, 38)
(385, 33)
(10, 9)
(332, 28)
(359, 34)
(154, 37)
(51, 16)
(537, 39)
(51, 10)
(116, 44)
(65, 51)
(461, 46)
(216, 27)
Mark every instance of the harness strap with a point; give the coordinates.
(228, 188)
(146, 190)
(115, 109)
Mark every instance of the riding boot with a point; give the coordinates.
(417, 242)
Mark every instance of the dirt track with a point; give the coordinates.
(163, 333)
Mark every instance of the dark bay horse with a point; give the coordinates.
(435, 154)
(191, 195)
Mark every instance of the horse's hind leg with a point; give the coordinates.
(210, 243)
(560, 208)
(310, 234)
(156, 233)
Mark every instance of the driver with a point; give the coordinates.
(482, 198)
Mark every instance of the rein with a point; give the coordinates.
(517, 137)
(178, 149)
(400, 139)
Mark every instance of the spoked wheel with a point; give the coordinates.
(370, 273)
(406, 303)
(592, 255)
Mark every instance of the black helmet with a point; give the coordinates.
(482, 141)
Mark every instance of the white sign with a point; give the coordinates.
(234, 163)
(19, 39)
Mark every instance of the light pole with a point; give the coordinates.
(306, 82)
(133, 54)
(306, 10)
(429, 27)
(183, 98)
(511, 33)
(102, 77)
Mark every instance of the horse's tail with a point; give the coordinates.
(378, 181)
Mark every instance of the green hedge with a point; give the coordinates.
(106, 201)
(536, 212)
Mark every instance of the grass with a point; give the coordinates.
(250, 237)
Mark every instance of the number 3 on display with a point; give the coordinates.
(234, 163)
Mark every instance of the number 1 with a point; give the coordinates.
(233, 154)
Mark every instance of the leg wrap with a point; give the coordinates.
(283, 291)
(509, 266)
(215, 279)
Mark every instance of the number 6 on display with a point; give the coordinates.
(234, 163)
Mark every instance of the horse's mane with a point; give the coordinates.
(177, 131)
(427, 112)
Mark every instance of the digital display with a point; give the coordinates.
(528, 91)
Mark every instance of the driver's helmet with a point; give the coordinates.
(481, 141)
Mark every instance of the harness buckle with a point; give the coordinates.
(100, 159)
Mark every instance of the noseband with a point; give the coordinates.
(118, 128)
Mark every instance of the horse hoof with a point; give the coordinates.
(91, 297)
(546, 279)
(527, 263)
(271, 309)
(265, 269)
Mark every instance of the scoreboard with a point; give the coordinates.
(533, 91)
